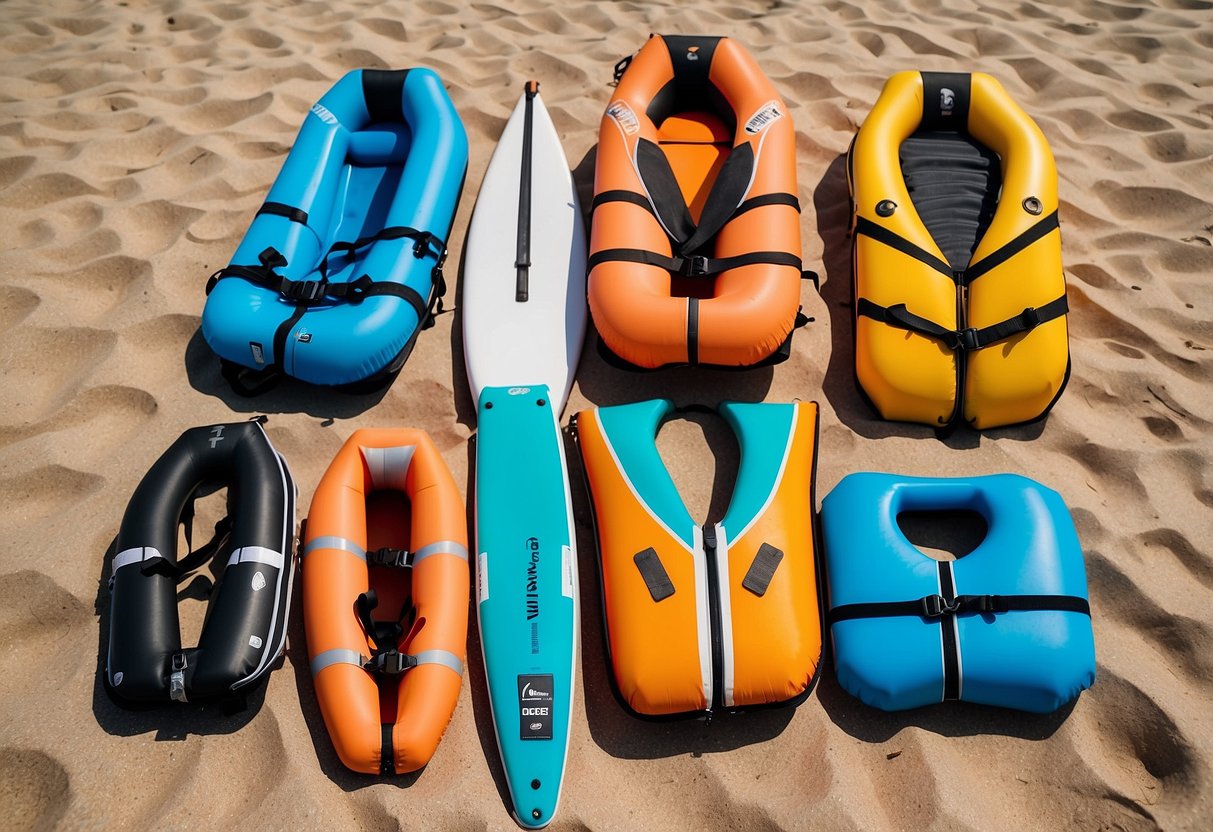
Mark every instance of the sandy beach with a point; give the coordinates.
(138, 138)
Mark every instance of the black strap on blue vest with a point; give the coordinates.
(280, 209)
(937, 606)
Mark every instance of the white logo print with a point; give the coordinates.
(623, 114)
(529, 693)
(322, 112)
(535, 726)
(766, 114)
(519, 391)
(258, 582)
(254, 642)
(947, 101)
(118, 678)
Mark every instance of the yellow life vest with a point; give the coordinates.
(960, 299)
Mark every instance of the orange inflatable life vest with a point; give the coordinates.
(695, 245)
(724, 615)
(387, 688)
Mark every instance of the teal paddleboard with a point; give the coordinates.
(526, 584)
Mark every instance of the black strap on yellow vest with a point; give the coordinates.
(969, 339)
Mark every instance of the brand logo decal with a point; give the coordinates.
(255, 642)
(692, 53)
(532, 579)
(257, 351)
(622, 113)
(535, 696)
(118, 678)
(323, 114)
(258, 582)
(947, 101)
(304, 337)
(766, 114)
(216, 436)
(518, 391)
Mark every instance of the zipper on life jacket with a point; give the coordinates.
(716, 623)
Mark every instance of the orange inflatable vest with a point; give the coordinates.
(387, 686)
(720, 616)
(695, 245)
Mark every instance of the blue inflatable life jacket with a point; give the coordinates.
(341, 266)
(1007, 624)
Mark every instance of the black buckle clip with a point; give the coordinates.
(391, 663)
(962, 339)
(272, 258)
(388, 556)
(936, 606)
(1030, 318)
(304, 291)
(441, 260)
(694, 266)
(421, 246)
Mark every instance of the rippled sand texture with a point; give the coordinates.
(137, 139)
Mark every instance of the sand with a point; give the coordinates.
(137, 139)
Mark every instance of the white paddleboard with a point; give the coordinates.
(508, 340)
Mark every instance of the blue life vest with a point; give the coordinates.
(342, 264)
(1007, 624)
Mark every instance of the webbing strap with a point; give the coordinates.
(630, 197)
(937, 606)
(333, 542)
(768, 199)
(1036, 231)
(964, 339)
(693, 266)
(280, 209)
(866, 228)
(1006, 252)
(421, 247)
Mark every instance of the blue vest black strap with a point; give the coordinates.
(937, 606)
(279, 209)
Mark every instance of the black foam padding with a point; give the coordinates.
(953, 182)
(383, 91)
(762, 569)
(654, 574)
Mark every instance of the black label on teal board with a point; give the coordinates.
(535, 695)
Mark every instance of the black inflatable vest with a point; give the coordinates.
(245, 627)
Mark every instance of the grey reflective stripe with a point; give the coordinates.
(442, 657)
(329, 541)
(136, 555)
(256, 554)
(441, 547)
(388, 467)
(338, 656)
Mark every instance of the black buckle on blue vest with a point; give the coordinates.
(391, 663)
(964, 339)
(421, 246)
(936, 606)
(303, 291)
(694, 266)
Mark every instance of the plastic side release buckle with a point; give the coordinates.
(936, 606)
(391, 663)
(307, 291)
(176, 679)
(694, 266)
